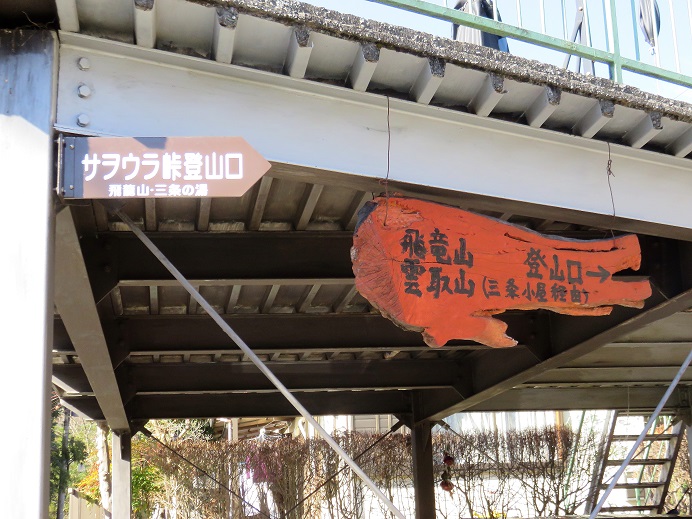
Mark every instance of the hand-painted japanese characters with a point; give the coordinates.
(444, 271)
(149, 167)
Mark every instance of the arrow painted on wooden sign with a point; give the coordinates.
(602, 273)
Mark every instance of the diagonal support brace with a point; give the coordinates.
(257, 362)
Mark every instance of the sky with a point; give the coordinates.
(560, 25)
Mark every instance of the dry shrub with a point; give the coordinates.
(285, 478)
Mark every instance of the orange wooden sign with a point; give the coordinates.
(445, 272)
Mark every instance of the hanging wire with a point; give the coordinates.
(394, 428)
(609, 173)
(148, 434)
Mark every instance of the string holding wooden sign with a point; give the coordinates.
(445, 272)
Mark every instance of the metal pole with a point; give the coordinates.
(675, 35)
(648, 425)
(257, 362)
(613, 39)
(542, 13)
(635, 33)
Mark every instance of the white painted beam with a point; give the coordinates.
(77, 309)
(154, 300)
(644, 131)
(203, 214)
(151, 223)
(428, 81)
(28, 71)
(345, 298)
(270, 298)
(364, 65)
(348, 132)
(307, 206)
(306, 300)
(543, 107)
(64, 386)
(595, 119)
(68, 15)
(145, 23)
(682, 146)
(260, 202)
(192, 305)
(299, 50)
(233, 298)
(351, 216)
(488, 95)
(225, 23)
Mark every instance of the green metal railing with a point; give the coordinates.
(616, 62)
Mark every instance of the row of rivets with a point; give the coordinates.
(83, 91)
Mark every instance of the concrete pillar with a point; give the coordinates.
(121, 476)
(688, 434)
(423, 477)
(27, 99)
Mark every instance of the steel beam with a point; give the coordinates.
(364, 65)
(67, 15)
(205, 406)
(543, 107)
(423, 476)
(225, 24)
(488, 95)
(222, 100)
(644, 375)
(284, 331)
(596, 118)
(299, 50)
(645, 130)
(145, 23)
(81, 320)
(230, 256)
(28, 62)
(252, 404)
(622, 398)
(312, 376)
(429, 80)
(122, 476)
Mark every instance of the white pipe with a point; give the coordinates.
(637, 443)
(587, 23)
(257, 362)
(675, 35)
(542, 9)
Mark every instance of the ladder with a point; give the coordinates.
(644, 485)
